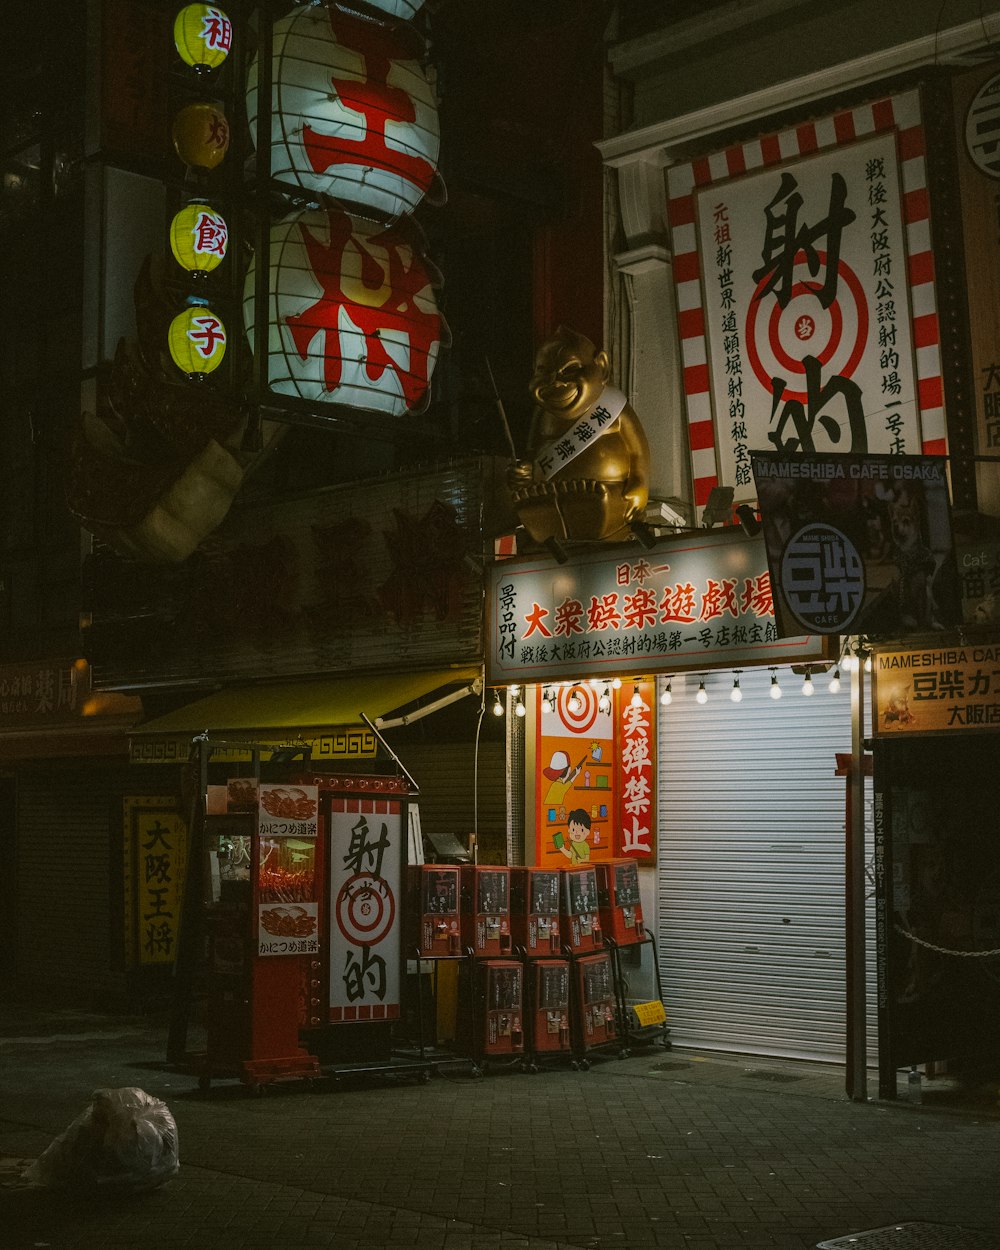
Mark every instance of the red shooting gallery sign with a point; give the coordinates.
(805, 289)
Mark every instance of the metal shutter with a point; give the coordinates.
(446, 775)
(68, 909)
(751, 866)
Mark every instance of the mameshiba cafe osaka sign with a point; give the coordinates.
(699, 601)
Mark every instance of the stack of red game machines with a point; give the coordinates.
(641, 1016)
(536, 926)
(491, 983)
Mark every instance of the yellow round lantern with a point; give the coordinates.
(201, 135)
(199, 238)
(197, 340)
(203, 36)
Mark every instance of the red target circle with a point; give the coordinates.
(365, 909)
(791, 315)
(583, 719)
(784, 320)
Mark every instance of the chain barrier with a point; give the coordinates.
(944, 950)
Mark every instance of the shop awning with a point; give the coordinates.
(307, 711)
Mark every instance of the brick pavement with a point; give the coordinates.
(666, 1150)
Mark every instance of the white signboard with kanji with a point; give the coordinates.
(805, 289)
(367, 851)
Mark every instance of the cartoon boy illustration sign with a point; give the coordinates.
(578, 829)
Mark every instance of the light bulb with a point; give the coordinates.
(604, 702)
(513, 691)
(775, 688)
(736, 694)
(868, 663)
(702, 695)
(667, 697)
(616, 683)
(636, 699)
(834, 686)
(519, 708)
(497, 705)
(575, 702)
(807, 685)
(546, 701)
(850, 663)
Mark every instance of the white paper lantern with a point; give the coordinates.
(353, 114)
(352, 316)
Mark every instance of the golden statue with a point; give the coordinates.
(588, 473)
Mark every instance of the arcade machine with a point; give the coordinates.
(534, 910)
(547, 1012)
(594, 1006)
(486, 911)
(491, 996)
(433, 915)
(618, 903)
(581, 925)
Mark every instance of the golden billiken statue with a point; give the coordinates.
(588, 473)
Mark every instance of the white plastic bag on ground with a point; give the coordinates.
(125, 1140)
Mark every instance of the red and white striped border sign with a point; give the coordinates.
(900, 113)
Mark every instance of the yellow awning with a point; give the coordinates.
(296, 706)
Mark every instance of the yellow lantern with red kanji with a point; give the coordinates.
(201, 134)
(199, 238)
(197, 340)
(203, 36)
(352, 313)
(352, 112)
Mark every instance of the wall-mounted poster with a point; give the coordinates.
(805, 287)
(858, 544)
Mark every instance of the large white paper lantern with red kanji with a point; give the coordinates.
(353, 114)
(352, 314)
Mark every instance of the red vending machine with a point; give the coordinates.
(581, 928)
(433, 914)
(486, 910)
(492, 1009)
(534, 910)
(618, 900)
(548, 1012)
(594, 1021)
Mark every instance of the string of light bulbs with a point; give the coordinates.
(849, 661)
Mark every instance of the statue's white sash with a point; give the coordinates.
(595, 422)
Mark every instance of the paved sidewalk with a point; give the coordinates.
(667, 1149)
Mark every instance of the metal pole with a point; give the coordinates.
(857, 1086)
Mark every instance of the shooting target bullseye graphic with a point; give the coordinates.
(365, 909)
(778, 339)
(582, 719)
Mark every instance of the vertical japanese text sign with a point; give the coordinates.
(155, 861)
(367, 845)
(635, 775)
(805, 284)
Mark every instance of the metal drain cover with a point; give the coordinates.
(914, 1237)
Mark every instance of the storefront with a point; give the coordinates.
(937, 792)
